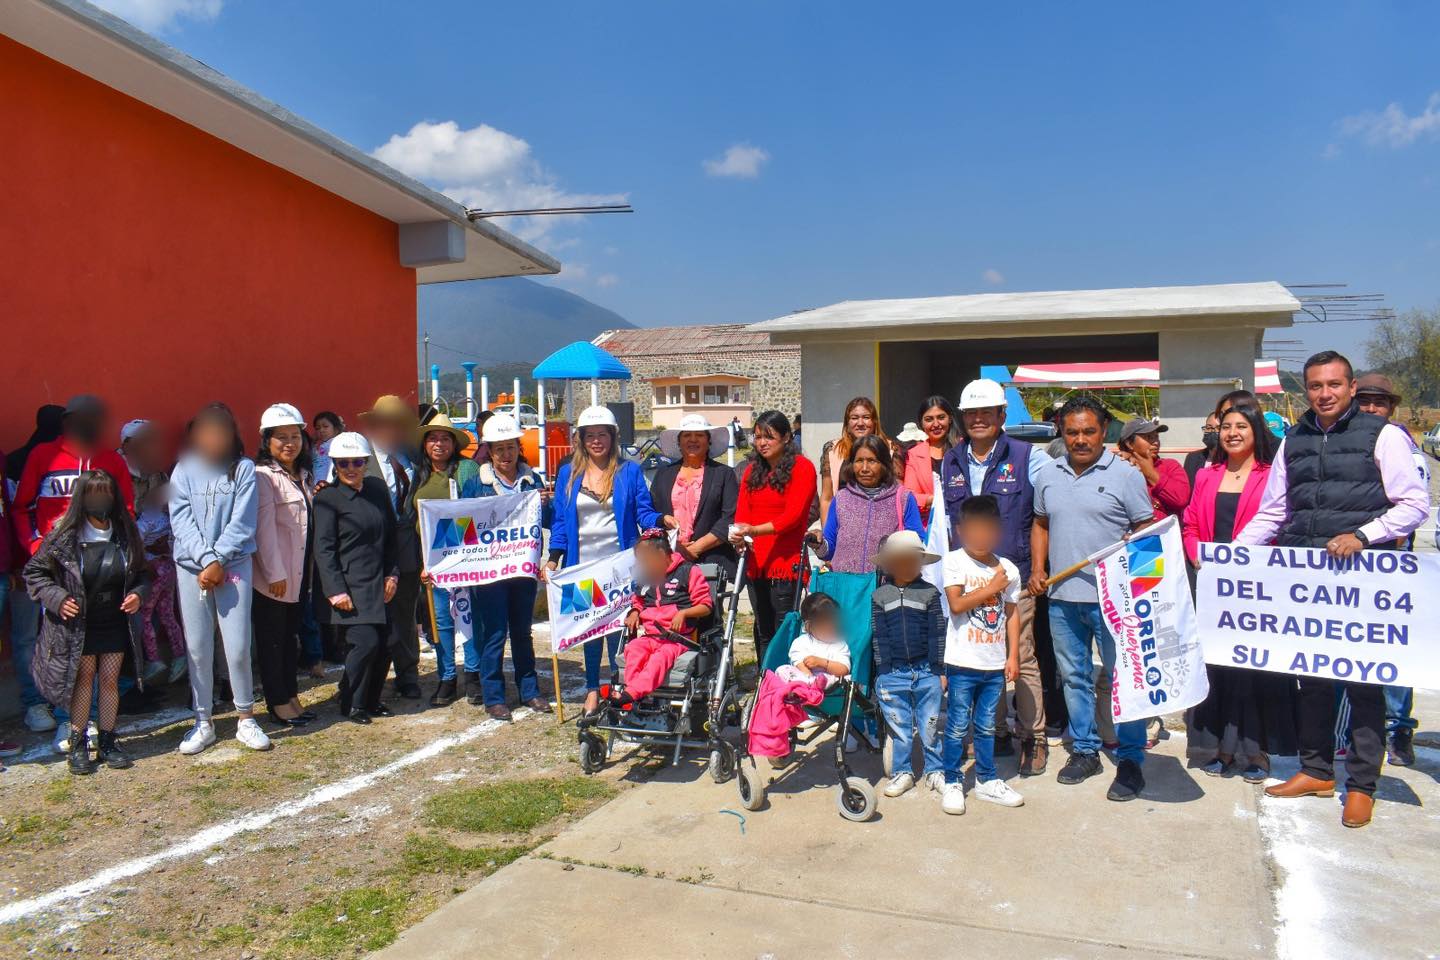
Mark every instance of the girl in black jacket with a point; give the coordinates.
(91, 577)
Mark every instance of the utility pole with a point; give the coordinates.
(424, 368)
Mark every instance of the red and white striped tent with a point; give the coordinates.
(1125, 374)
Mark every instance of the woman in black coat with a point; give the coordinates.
(356, 562)
(91, 577)
(697, 494)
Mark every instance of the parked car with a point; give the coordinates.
(1430, 442)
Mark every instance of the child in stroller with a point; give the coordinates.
(819, 655)
(670, 598)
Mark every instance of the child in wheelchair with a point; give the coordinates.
(672, 597)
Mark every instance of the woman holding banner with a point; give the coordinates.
(697, 493)
(1249, 714)
(776, 492)
(443, 474)
(509, 605)
(601, 505)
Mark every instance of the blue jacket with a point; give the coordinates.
(211, 516)
(1007, 479)
(526, 481)
(907, 626)
(633, 510)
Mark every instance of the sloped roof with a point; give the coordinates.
(109, 50)
(699, 340)
(581, 361)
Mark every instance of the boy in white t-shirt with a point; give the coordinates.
(981, 652)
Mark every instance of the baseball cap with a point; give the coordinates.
(1136, 426)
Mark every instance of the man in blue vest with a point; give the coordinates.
(1343, 481)
(989, 462)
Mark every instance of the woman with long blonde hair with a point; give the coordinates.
(862, 418)
(601, 505)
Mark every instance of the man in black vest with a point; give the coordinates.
(1344, 481)
(989, 462)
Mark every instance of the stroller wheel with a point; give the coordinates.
(752, 786)
(856, 799)
(592, 753)
(722, 762)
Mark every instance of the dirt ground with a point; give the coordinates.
(326, 846)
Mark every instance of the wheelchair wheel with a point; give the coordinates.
(752, 786)
(722, 762)
(856, 799)
(592, 753)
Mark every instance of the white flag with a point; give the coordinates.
(937, 541)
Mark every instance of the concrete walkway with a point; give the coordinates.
(1199, 867)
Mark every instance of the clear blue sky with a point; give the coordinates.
(902, 151)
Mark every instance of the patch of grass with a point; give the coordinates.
(229, 935)
(46, 829)
(431, 854)
(60, 792)
(513, 806)
(364, 919)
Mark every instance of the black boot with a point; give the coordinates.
(472, 689)
(444, 694)
(80, 762)
(111, 753)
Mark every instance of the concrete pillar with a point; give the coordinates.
(1196, 367)
(830, 374)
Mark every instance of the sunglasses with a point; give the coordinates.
(349, 464)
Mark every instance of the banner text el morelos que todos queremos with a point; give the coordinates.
(1301, 611)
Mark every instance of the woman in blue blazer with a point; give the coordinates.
(601, 505)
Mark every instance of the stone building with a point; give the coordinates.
(736, 371)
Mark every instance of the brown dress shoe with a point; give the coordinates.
(1357, 808)
(499, 711)
(539, 705)
(1034, 757)
(1302, 785)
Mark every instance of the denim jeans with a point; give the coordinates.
(1074, 629)
(973, 696)
(504, 608)
(24, 632)
(444, 639)
(611, 642)
(910, 700)
(1399, 709)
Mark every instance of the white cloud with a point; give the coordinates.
(740, 160)
(1393, 127)
(154, 15)
(993, 277)
(487, 168)
(606, 280)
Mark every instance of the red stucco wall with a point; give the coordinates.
(161, 268)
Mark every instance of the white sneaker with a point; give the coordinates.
(935, 781)
(998, 791)
(202, 736)
(61, 743)
(952, 801)
(248, 732)
(38, 719)
(899, 784)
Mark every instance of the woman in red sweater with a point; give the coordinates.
(773, 509)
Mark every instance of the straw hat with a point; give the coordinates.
(438, 421)
(902, 542)
(910, 432)
(390, 407)
(694, 423)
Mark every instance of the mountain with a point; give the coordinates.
(512, 320)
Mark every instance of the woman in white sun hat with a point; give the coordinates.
(601, 505)
(696, 494)
(508, 607)
(283, 547)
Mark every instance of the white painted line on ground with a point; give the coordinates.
(221, 832)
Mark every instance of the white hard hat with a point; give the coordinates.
(502, 426)
(982, 394)
(131, 428)
(281, 415)
(596, 416)
(349, 446)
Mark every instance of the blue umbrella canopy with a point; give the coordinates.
(581, 360)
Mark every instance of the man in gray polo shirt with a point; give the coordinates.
(1085, 502)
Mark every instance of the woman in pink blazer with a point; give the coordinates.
(941, 425)
(283, 485)
(1249, 714)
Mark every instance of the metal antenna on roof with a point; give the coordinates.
(1339, 307)
(478, 214)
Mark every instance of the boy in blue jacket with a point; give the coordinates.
(907, 617)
